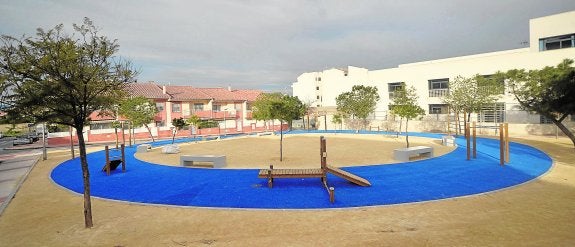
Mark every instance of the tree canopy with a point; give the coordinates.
(359, 102)
(61, 78)
(178, 123)
(549, 92)
(469, 95)
(277, 106)
(404, 104)
(140, 111)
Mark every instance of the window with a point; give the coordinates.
(176, 107)
(437, 109)
(316, 88)
(439, 84)
(160, 124)
(492, 113)
(557, 42)
(317, 97)
(216, 108)
(198, 106)
(438, 87)
(160, 106)
(544, 120)
(392, 87)
(318, 79)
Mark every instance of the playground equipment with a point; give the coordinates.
(503, 141)
(113, 162)
(272, 173)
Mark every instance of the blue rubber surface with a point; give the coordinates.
(446, 176)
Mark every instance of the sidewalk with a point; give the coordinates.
(14, 169)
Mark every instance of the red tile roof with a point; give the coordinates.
(149, 90)
(182, 93)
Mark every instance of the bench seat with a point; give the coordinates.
(403, 154)
(218, 161)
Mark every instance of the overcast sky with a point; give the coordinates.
(268, 44)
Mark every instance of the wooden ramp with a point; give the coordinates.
(347, 176)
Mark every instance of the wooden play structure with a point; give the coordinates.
(321, 173)
(113, 162)
(503, 141)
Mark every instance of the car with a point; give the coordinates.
(23, 140)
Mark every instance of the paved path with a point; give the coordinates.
(14, 169)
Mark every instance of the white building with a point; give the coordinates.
(552, 39)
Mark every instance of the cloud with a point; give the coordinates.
(267, 44)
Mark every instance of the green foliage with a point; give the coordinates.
(549, 92)
(206, 124)
(469, 95)
(193, 120)
(139, 110)
(337, 118)
(277, 106)
(360, 102)
(261, 109)
(60, 78)
(179, 123)
(404, 103)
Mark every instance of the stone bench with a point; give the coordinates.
(218, 161)
(403, 154)
(264, 133)
(143, 148)
(448, 140)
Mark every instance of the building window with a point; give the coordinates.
(216, 108)
(557, 42)
(438, 87)
(544, 120)
(317, 97)
(160, 124)
(176, 107)
(316, 88)
(492, 113)
(160, 106)
(392, 87)
(198, 106)
(437, 109)
(318, 79)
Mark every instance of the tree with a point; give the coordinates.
(404, 104)
(338, 119)
(178, 123)
(360, 102)
(470, 95)
(285, 108)
(549, 92)
(195, 121)
(140, 111)
(60, 78)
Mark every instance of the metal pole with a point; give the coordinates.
(44, 152)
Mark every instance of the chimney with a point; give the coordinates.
(164, 89)
(229, 88)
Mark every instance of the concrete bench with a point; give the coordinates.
(143, 148)
(218, 161)
(448, 140)
(403, 154)
(264, 133)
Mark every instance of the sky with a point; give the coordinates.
(267, 44)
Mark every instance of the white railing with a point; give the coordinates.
(438, 92)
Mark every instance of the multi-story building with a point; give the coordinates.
(552, 39)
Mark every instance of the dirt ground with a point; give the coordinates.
(538, 213)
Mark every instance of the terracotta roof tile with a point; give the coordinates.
(149, 90)
(183, 93)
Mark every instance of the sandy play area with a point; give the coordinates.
(538, 213)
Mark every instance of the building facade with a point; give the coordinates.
(552, 39)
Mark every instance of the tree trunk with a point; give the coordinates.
(86, 175)
(281, 142)
(116, 132)
(406, 134)
(562, 127)
(150, 131)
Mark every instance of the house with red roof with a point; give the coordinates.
(231, 108)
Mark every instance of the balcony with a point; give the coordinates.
(438, 92)
(217, 114)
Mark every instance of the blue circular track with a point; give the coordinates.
(447, 176)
